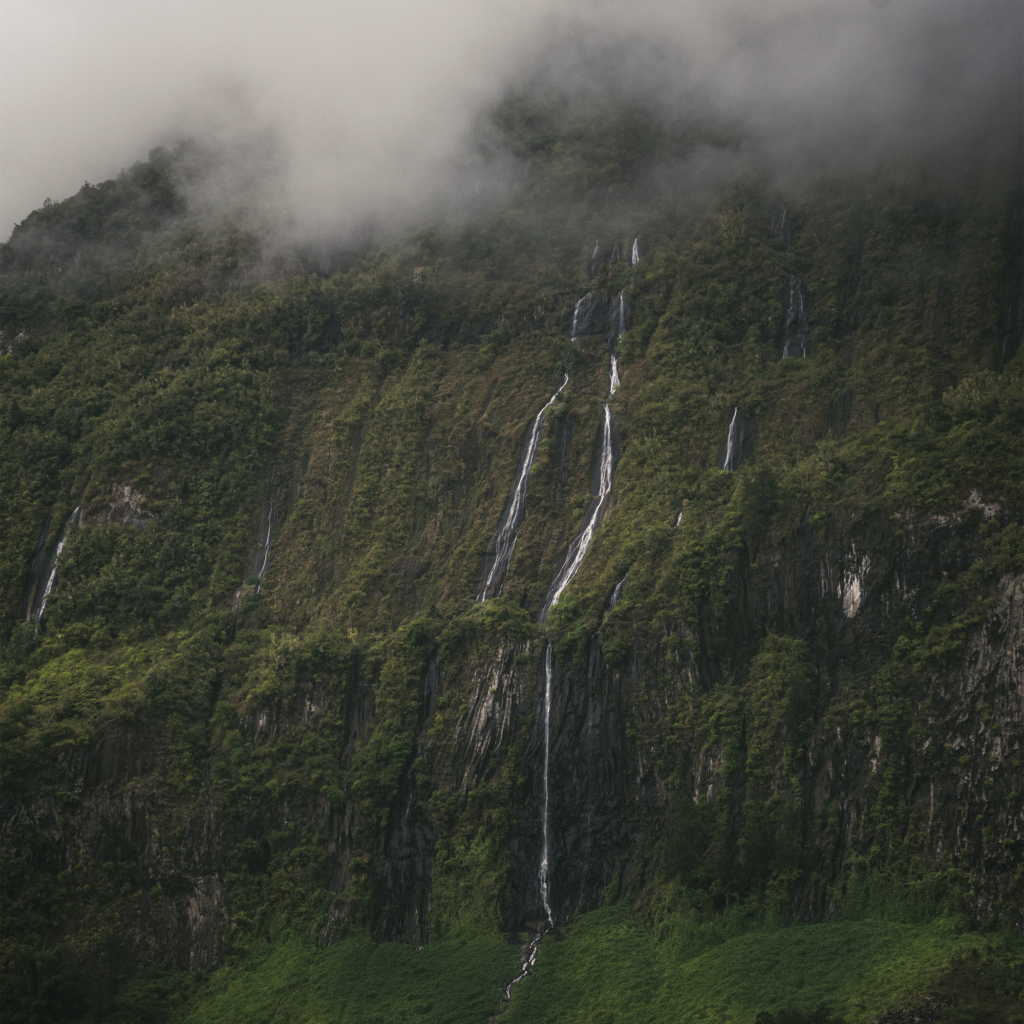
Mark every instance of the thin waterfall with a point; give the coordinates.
(52, 579)
(574, 559)
(271, 521)
(634, 256)
(794, 339)
(617, 593)
(508, 529)
(549, 672)
(613, 376)
(576, 316)
(732, 442)
(529, 954)
(581, 544)
(528, 959)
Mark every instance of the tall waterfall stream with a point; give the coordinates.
(508, 529)
(578, 549)
(796, 331)
(271, 520)
(271, 523)
(52, 579)
(581, 543)
(545, 863)
(732, 442)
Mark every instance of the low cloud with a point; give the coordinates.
(343, 114)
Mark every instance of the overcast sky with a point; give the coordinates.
(368, 105)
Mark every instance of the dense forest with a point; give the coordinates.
(626, 580)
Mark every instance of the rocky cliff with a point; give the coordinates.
(250, 677)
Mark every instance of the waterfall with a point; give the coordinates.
(549, 672)
(271, 523)
(614, 381)
(796, 329)
(679, 518)
(738, 441)
(508, 529)
(575, 319)
(617, 593)
(732, 442)
(581, 544)
(271, 520)
(52, 579)
(580, 303)
(634, 256)
(529, 954)
(528, 959)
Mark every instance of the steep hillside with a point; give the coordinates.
(740, 481)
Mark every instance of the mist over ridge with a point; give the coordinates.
(333, 118)
(487, 490)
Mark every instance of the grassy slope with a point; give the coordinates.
(610, 967)
(356, 980)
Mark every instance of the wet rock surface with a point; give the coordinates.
(607, 796)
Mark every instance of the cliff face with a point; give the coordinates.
(263, 686)
(948, 764)
(950, 758)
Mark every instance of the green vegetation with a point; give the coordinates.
(358, 980)
(612, 968)
(181, 729)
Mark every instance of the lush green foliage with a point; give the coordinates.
(358, 980)
(380, 406)
(611, 967)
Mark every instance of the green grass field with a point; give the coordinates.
(612, 969)
(609, 968)
(357, 980)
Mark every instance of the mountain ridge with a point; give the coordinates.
(264, 689)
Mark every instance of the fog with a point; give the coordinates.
(343, 113)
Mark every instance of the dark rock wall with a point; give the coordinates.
(609, 756)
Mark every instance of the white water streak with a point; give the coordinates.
(528, 959)
(634, 256)
(549, 672)
(579, 547)
(271, 520)
(613, 378)
(732, 441)
(576, 316)
(796, 320)
(617, 593)
(52, 579)
(508, 529)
